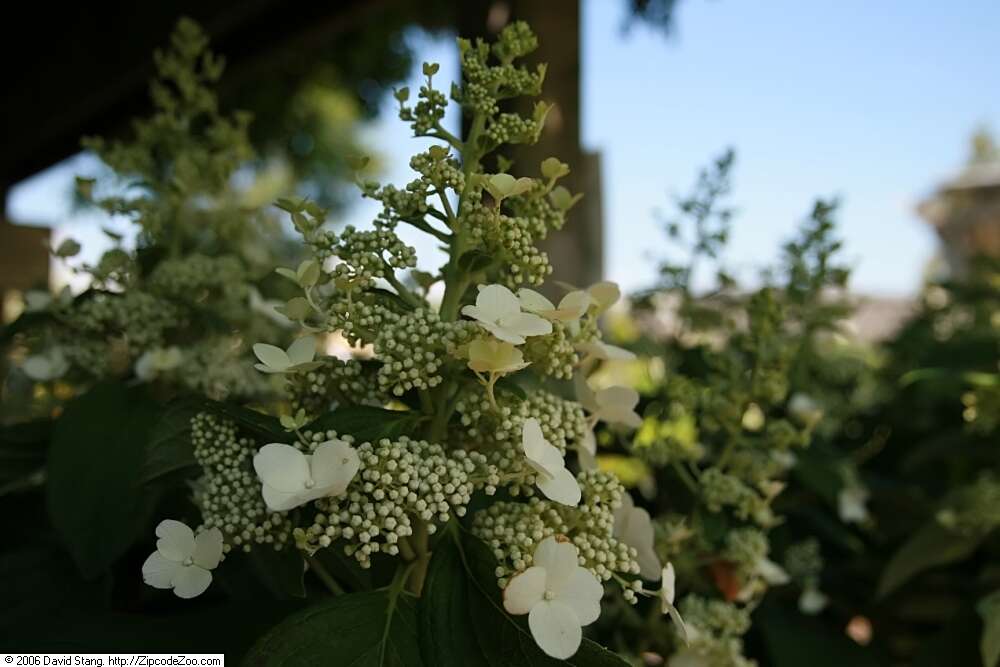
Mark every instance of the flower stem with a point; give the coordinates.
(323, 575)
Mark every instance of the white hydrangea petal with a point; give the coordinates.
(302, 351)
(771, 572)
(574, 305)
(502, 333)
(524, 591)
(605, 294)
(274, 358)
(282, 467)
(532, 439)
(526, 324)
(618, 397)
(558, 557)
(496, 302)
(334, 464)
(208, 549)
(668, 586)
(158, 571)
(176, 540)
(584, 394)
(561, 486)
(533, 302)
(191, 581)
(556, 629)
(583, 592)
(282, 501)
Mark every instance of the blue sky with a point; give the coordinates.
(871, 102)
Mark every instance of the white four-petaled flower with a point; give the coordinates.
(604, 351)
(291, 478)
(668, 591)
(634, 527)
(614, 405)
(298, 357)
(552, 477)
(498, 311)
(559, 596)
(182, 561)
(571, 307)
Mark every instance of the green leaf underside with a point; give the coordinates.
(931, 546)
(94, 467)
(463, 621)
(371, 629)
(366, 423)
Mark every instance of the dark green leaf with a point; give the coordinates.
(366, 423)
(169, 448)
(94, 470)
(23, 448)
(263, 573)
(474, 261)
(362, 630)
(929, 547)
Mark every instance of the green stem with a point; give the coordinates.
(323, 575)
(421, 539)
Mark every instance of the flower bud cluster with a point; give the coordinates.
(510, 237)
(400, 483)
(414, 347)
(513, 529)
(721, 490)
(191, 277)
(336, 381)
(229, 492)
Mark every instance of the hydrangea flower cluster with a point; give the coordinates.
(465, 388)
(180, 308)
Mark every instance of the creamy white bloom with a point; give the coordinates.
(614, 405)
(668, 591)
(559, 596)
(552, 477)
(604, 294)
(495, 356)
(48, 366)
(498, 311)
(634, 527)
(182, 561)
(501, 186)
(604, 351)
(291, 478)
(298, 357)
(571, 307)
(586, 450)
(852, 503)
(154, 362)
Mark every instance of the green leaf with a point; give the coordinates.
(95, 465)
(989, 644)
(169, 447)
(367, 423)
(463, 621)
(931, 546)
(264, 573)
(374, 629)
(23, 448)
(475, 261)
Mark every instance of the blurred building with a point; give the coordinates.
(965, 209)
